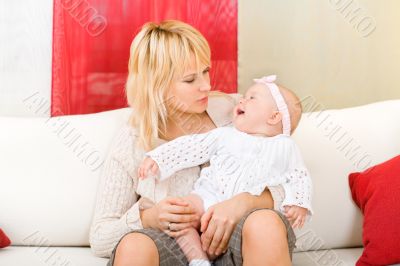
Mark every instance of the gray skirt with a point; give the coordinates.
(171, 254)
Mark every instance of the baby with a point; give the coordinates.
(254, 153)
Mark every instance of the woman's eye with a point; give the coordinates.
(189, 81)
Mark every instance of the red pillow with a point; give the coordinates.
(4, 240)
(376, 191)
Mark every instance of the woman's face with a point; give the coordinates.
(189, 94)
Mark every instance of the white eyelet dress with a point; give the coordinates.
(239, 162)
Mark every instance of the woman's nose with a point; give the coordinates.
(205, 85)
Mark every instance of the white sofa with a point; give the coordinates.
(49, 178)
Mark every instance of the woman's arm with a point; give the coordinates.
(116, 211)
(250, 202)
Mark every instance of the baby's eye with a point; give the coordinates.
(252, 97)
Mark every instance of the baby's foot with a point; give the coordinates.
(200, 262)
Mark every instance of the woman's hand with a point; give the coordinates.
(218, 223)
(172, 211)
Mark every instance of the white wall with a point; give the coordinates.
(313, 45)
(25, 56)
(323, 48)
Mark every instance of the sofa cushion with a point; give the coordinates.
(4, 240)
(49, 175)
(376, 193)
(46, 256)
(335, 143)
(328, 257)
(82, 256)
(50, 186)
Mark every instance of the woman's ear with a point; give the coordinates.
(275, 118)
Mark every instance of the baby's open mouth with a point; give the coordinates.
(239, 111)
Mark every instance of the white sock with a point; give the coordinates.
(199, 262)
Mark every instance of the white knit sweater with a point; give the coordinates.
(117, 210)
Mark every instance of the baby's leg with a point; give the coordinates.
(190, 242)
(197, 203)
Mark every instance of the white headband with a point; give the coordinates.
(280, 102)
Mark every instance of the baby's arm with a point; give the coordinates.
(181, 153)
(297, 202)
(147, 165)
(296, 215)
(298, 190)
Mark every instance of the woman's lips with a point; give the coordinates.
(203, 100)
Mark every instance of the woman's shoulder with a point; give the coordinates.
(122, 148)
(220, 107)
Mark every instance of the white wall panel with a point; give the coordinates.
(25, 56)
(340, 53)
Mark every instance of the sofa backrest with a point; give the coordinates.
(335, 143)
(50, 169)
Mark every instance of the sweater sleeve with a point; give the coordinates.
(116, 211)
(184, 152)
(298, 185)
(298, 189)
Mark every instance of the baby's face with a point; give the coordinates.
(250, 115)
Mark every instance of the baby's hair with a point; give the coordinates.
(294, 105)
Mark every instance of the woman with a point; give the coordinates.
(168, 88)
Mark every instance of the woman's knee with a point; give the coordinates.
(136, 249)
(265, 239)
(264, 222)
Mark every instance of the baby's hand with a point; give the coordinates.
(296, 215)
(147, 165)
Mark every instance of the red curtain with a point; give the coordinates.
(91, 40)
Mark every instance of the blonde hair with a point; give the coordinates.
(159, 54)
